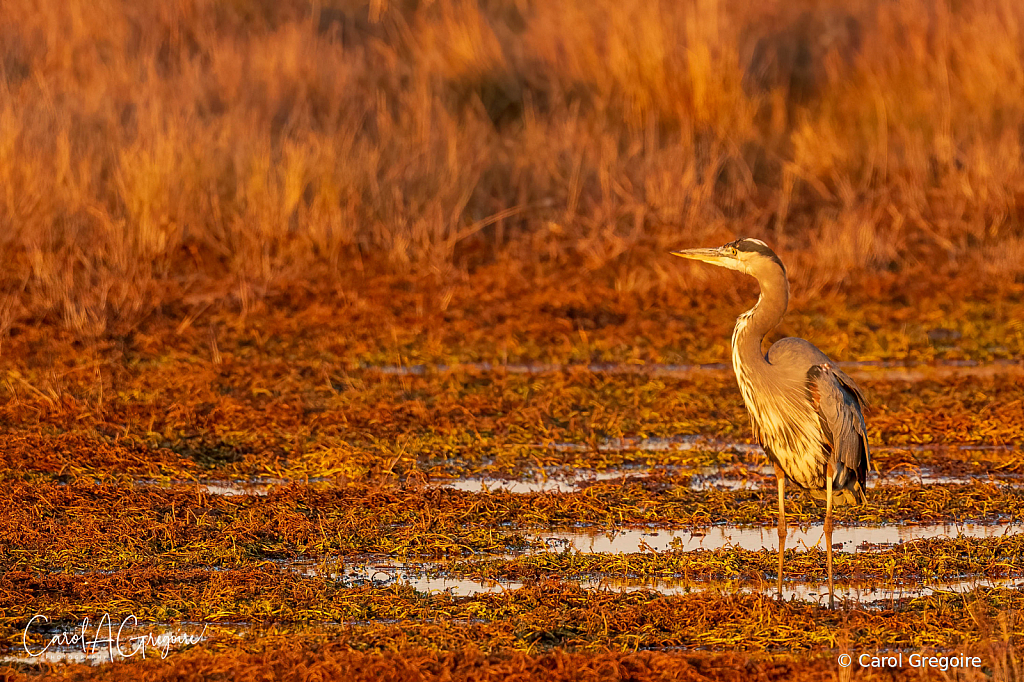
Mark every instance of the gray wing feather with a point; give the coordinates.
(849, 384)
(838, 401)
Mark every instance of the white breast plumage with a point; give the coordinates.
(790, 431)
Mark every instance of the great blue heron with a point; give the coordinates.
(804, 411)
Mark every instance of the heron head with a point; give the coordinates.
(749, 256)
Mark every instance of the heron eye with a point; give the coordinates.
(733, 251)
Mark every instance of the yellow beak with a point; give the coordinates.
(713, 256)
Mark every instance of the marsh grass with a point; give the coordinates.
(197, 148)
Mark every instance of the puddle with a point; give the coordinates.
(660, 444)
(813, 592)
(562, 480)
(709, 444)
(229, 488)
(552, 481)
(931, 477)
(752, 477)
(430, 579)
(256, 486)
(852, 538)
(884, 370)
(759, 478)
(422, 577)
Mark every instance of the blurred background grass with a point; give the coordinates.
(152, 152)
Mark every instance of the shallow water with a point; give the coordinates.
(752, 477)
(755, 478)
(560, 480)
(424, 577)
(813, 592)
(255, 486)
(550, 479)
(659, 444)
(234, 488)
(851, 538)
(709, 444)
(430, 578)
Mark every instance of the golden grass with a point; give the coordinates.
(218, 149)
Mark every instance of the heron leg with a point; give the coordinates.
(829, 475)
(780, 476)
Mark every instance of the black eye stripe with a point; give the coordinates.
(751, 246)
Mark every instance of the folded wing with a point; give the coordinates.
(838, 402)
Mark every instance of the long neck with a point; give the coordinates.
(753, 325)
